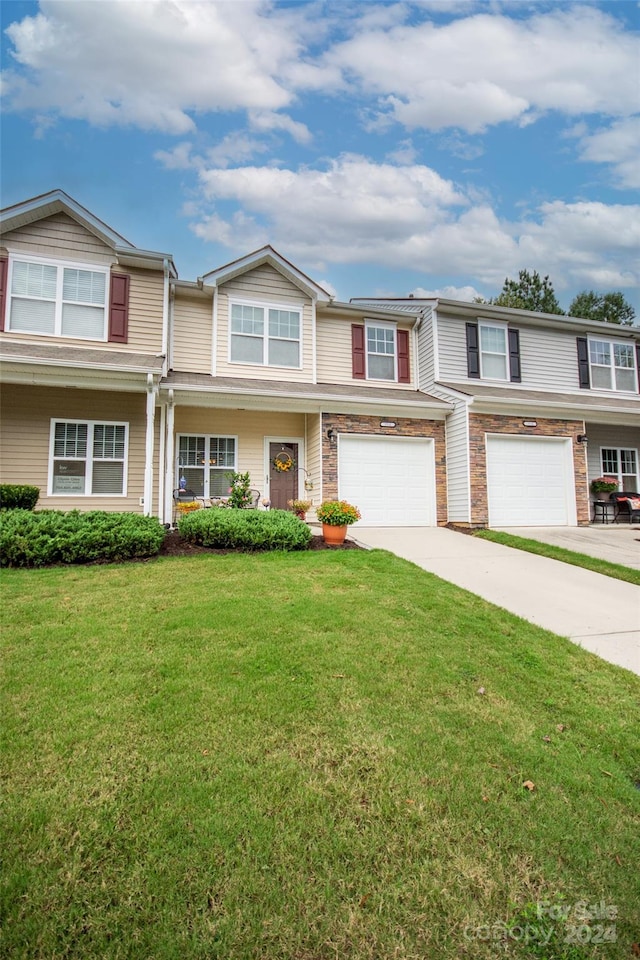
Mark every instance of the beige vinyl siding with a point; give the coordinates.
(264, 285)
(26, 429)
(58, 237)
(314, 458)
(457, 445)
(548, 357)
(599, 435)
(192, 334)
(334, 354)
(146, 293)
(250, 428)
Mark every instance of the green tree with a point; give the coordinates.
(529, 292)
(607, 307)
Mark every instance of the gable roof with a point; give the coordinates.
(267, 255)
(57, 201)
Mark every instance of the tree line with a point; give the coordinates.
(533, 292)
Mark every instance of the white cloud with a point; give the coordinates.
(407, 217)
(448, 293)
(150, 64)
(159, 65)
(179, 158)
(481, 70)
(618, 145)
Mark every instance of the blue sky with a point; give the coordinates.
(384, 148)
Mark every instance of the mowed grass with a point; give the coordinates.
(288, 757)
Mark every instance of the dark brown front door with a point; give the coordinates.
(283, 483)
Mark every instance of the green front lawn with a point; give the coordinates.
(317, 756)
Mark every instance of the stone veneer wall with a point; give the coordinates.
(481, 424)
(405, 427)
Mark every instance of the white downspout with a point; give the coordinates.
(149, 442)
(170, 456)
(165, 318)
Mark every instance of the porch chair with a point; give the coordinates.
(626, 504)
(255, 499)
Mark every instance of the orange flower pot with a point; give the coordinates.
(334, 536)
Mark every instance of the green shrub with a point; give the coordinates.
(52, 536)
(245, 529)
(18, 496)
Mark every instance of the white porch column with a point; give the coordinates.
(149, 444)
(169, 483)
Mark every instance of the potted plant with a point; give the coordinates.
(335, 516)
(299, 507)
(604, 485)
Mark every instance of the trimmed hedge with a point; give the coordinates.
(53, 536)
(18, 496)
(245, 529)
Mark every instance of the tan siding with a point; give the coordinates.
(192, 334)
(266, 285)
(334, 354)
(250, 428)
(314, 458)
(61, 237)
(146, 294)
(26, 428)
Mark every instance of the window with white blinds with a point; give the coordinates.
(58, 300)
(88, 458)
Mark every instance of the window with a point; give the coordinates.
(88, 458)
(206, 463)
(269, 336)
(612, 365)
(62, 301)
(623, 464)
(493, 352)
(381, 351)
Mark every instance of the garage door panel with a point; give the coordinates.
(390, 480)
(530, 482)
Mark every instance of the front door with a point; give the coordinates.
(283, 474)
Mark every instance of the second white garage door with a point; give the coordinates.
(390, 479)
(530, 482)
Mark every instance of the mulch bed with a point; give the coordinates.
(175, 546)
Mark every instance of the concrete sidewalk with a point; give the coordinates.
(597, 612)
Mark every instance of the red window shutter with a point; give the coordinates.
(4, 293)
(358, 364)
(119, 308)
(404, 369)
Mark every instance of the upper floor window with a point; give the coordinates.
(88, 458)
(58, 300)
(265, 335)
(493, 352)
(381, 351)
(205, 464)
(612, 365)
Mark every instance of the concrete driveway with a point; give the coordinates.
(615, 542)
(597, 612)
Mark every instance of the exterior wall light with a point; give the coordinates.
(331, 435)
(582, 438)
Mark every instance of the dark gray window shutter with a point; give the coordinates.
(4, 293)
(515, 374)
(473, 351)
(119, 308)
(404, 368)
(583, 363)
(357, 352)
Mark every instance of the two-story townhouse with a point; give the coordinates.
(122, 380)
(542, 405)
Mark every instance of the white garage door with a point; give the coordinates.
(390, 479)
(530, 482)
